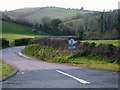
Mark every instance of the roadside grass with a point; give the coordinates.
(95, 62)
(114, 42)
(45, 53)
(5, 69)
(52, 55)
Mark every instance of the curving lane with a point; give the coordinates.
(35, 73)
(12, 57)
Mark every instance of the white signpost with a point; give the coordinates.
(72, 42)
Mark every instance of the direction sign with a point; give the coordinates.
(71, 41)
(72, 47)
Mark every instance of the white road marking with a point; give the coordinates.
(22, 72)
(23, 55)
(79, 80)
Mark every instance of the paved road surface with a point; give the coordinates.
(35, 73)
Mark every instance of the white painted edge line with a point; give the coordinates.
(23, 55)
(22, 72)
(77, 79)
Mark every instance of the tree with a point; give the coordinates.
(101, 21)
(55, 23)
(46, 24)
(118, 24)
(82, 8)
(80, 34)
(46, 21)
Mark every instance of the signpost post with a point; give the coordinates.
(71, 47)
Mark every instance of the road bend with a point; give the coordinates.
(34, 73)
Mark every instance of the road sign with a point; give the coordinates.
(71, 41)
(72, 47)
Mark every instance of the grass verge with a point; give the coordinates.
(50, 54)
(114, 42)
(95, 62)
(5, 69)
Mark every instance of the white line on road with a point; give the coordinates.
(22, 72)
(23, 55)
(79, 80)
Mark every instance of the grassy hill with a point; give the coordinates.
(13, 31)
(36, 14)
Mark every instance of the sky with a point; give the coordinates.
(97, 5)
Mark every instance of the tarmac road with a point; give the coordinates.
(35, 73)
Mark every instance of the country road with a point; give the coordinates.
(35, 73)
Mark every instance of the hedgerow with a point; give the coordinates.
(83, 49)
(22, 41)
(4, 42)
(46, 53)
(50, 41)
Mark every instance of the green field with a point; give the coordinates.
(114, 42)
(36, 14)
(13, 31)
(5, 69)
(12, 37)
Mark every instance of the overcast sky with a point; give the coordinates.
(87, 4)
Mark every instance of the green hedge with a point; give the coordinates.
(54, 42)
(22, 41)
(46, 53)
(4, 43)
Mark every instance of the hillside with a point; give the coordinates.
(36, 14)
(13, 31)
(83, 23)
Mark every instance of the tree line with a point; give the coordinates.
(97, 25)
